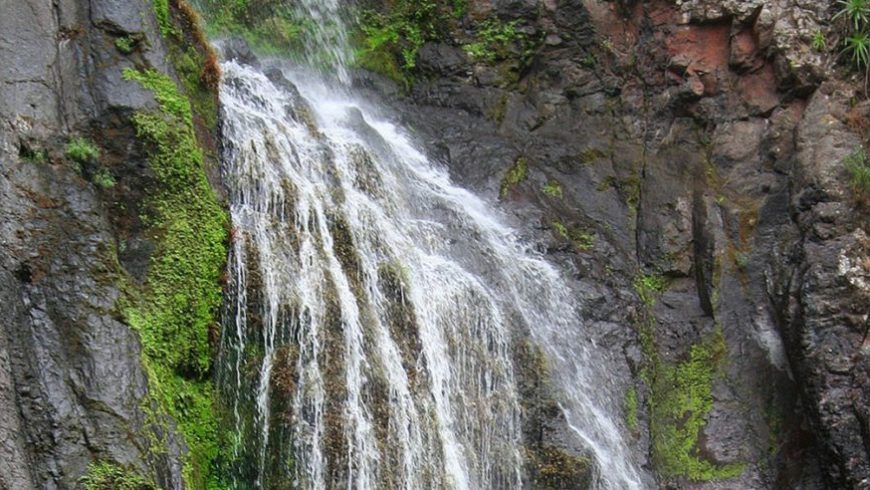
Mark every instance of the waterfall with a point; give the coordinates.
(377, 311)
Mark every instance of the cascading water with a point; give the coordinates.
(376, 312)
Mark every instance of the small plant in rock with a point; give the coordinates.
(515, 176)
(81, 151)
(103, 179)
(649, 287)
(560, 229)
(858, 44)
(859, 171)
(553, 189)
(126, 44)
(33, 154)
(819, 43)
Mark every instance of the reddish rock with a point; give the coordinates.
(744, 52)
(758, 89)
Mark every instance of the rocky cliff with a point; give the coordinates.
(84, 205)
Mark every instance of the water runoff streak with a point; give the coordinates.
(376, 309)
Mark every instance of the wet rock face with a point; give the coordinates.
(686, 142)
(71, 383)
(824, 293)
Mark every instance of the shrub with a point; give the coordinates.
(81, 150)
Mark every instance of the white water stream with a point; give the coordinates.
(376, 309)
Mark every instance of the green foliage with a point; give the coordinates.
(649, 287)
(390, 41)
(858, 44)
(82, 151)
(126, 44)
(33, 154)
(178, 304)
(515, 176)
(857, 165)
(109, 476)
(493, 40)
(856, 12)
(103, 179)
(856, 40)
(681, 399)
(553, 189)
(460, 8)
(269, 26)
(188, 67)
(192, 57)
(630, 405)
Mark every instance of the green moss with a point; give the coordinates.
(553, 189)
(389, 40)
(177, 306)
(109, 476)
(82, 151)
(172, 102)
(581, 239)
(551, 468)
(681, 398)
(630, 406)
(649, 287)
(188, 66)
(516, 175)
(590, 155)
(191, 56)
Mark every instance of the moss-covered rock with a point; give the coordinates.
(176, 309)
